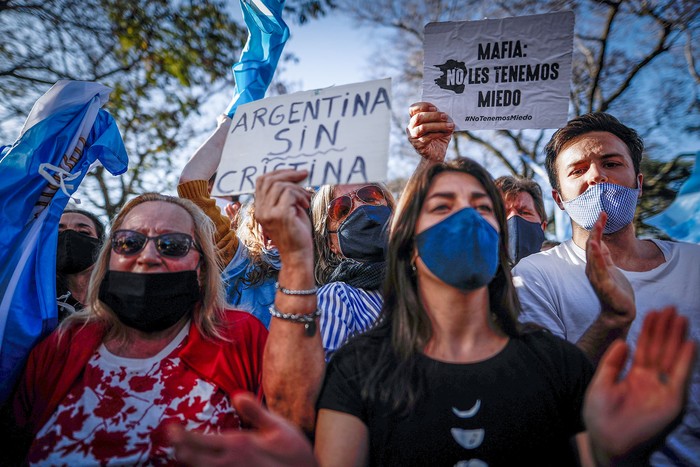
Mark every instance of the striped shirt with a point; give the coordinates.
(345, 312)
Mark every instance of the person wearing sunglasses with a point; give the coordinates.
(350, 234)
(154, 346)
(80, 236)
(251, 262)
(448, 376)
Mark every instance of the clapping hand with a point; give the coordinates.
(614, 291)
(627, 416)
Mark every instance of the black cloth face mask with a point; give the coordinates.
(150, 302)
(524, 238)
(75, 252)
(363, 235)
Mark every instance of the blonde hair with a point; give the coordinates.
(207, 315)
(326, 261)
(250, 233)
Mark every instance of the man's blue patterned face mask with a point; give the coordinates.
(618, 201)
(461, 250)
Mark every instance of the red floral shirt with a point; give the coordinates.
(118, 411)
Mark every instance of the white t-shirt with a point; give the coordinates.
(555, 293)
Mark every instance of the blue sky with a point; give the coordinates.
(331, 51)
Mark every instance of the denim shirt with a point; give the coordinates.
(256, 299)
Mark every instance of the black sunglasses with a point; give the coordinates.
(172, 245)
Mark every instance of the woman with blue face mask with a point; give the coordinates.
(447, 377)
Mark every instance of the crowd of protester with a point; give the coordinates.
(339, 326)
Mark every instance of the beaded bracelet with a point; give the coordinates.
(308, 320)
(295, 292)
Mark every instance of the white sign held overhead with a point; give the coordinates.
(339, 134)
(509, 73)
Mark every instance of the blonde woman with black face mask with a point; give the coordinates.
(154, 346)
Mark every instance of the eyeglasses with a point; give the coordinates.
(341, 206)
(171, 245)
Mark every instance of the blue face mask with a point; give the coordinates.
(619, 202)
(524, 238)
(461, 250)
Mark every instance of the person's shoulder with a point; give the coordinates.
(542, 337)
(339, 287)
(237, 322)
(365, 346)
(682, 248)
(336, 290)
(61, 343)
(563, 254)
(333, 287)
(547, 345)
(242, 317)
(78, 330)
(556, 360)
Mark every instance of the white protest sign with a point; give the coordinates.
(506, 73)
(339, 134)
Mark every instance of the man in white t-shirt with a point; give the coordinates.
(593, 165)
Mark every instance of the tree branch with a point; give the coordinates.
(688, 49)
(661, 47)
(493, 149)
(600, 65)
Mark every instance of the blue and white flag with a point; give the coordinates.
(681, 220)
(64, 134)
(267, 34)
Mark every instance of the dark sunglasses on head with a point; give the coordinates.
(341, 206)
(172, 245)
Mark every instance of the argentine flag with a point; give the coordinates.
(681, 220)
(267, 34)
(65, 132)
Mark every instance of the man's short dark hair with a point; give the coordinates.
(594, 121)
(510, 186)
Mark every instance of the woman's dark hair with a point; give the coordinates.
(404, 328)
(99, 226)
(61, 281)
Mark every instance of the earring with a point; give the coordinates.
(413, 265)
